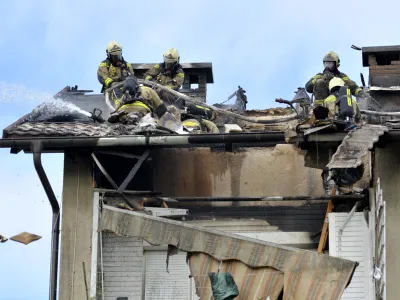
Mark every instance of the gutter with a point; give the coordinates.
(166, 140)
(37, 148)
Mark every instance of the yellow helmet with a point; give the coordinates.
(334, 82)
(114, 49)
(171, 56)
(332, 57)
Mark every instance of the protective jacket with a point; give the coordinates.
(197, 118)
(109, 71)
(319, 85)
(172, 79)
(342, 105)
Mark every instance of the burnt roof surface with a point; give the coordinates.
(54, 118)
(63, 129)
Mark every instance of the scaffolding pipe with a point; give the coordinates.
(55, 234)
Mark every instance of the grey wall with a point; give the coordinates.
(76, 226)
(387, 168)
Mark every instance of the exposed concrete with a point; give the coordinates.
(76, 230)
(387, 165)
(272, 171)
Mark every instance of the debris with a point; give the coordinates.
(355, 145)
(124, 206)
(232, 128)
(3, 239)
(25, 238)
(377, 273)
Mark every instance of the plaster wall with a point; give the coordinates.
(387, 166)
(76, 227)
(268, 171)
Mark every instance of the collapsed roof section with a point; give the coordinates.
(302, 273)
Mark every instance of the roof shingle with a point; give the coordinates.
(48, 129)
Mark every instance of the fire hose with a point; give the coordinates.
(197, 102)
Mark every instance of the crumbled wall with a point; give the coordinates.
(272, 171)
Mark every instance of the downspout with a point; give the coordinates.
(37, 148)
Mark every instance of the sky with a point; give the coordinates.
(268, 47)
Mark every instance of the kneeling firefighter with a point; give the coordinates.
(340, 103)
(136, 102)
(196, 118)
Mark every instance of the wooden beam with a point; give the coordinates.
(325, 227)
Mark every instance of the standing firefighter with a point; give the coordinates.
(113, 69)
(169, 74)
(340, 103)
(319, 84)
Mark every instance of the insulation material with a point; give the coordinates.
(25, 238)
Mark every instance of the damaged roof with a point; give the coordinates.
(51, 120)
(295, 267)
(355, 146)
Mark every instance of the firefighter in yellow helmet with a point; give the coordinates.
(319, 84)
(196, 118)
(168, 73)
(114, 68)
(340, 102)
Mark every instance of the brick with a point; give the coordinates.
(384, 72)
(386, 67)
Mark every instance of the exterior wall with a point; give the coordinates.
(76, 227)
(387, 165)
(271, 171)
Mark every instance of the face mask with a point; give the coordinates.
(116, 57)
(330, 65)
(169, 66)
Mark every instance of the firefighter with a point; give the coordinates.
(113, 69)
(340, 102)
(199, 125)
(168, 73)
(319, 84)
(196, 118)
(136, 101)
